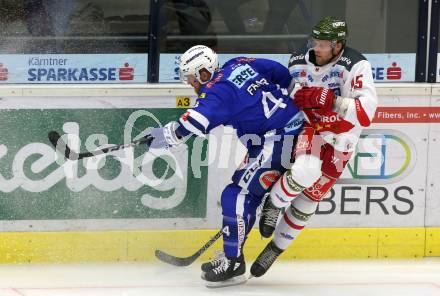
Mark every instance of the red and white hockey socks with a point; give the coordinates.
(294, 220)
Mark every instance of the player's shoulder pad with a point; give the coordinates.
(237, 60)
(297, 59)
(350, 57)
(229, 62)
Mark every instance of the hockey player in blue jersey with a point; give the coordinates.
(251, 96)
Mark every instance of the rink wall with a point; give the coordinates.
(386, 204)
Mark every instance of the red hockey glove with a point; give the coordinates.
(314, 98)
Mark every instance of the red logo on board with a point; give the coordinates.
(394, 72)
(3, 73)
(126, 73)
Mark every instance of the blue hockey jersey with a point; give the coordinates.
(248, 94)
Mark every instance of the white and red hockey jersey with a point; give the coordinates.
(350, 76)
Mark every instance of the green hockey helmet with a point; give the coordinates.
(331, 28)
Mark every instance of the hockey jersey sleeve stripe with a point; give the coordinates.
(200, 118)
(361, 114)
(192, 126)
(182, 131)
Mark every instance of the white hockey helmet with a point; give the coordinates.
(195, 59)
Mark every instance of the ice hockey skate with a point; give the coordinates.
(269, 218)
(227, 272)
(216, 262)
(265, 260)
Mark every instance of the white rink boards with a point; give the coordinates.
(389, 209)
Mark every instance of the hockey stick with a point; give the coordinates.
(185, 261)
(60, 145)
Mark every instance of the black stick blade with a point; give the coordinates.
(173, 260)
(53, 137)
(185, 261)
(61, 146)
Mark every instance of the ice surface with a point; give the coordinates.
(298, 278)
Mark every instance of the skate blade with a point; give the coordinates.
(238, 280)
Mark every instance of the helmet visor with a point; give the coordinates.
(322, 45)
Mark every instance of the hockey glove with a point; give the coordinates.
(314, 98)
(164, 137)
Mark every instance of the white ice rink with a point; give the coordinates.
(299, 278)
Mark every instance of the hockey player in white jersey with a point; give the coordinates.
(338, 97)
